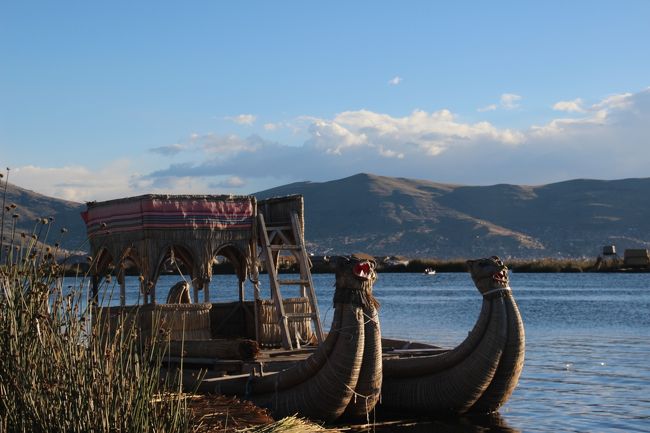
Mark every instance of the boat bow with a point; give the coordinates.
(480, 373)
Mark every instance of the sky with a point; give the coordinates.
(100, 100)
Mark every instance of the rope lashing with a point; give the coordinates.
(499, 292)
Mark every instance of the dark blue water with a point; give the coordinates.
(587, 363)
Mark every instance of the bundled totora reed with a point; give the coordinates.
(479, 374)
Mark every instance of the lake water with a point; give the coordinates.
(587, 365)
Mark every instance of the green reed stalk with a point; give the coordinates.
(63, 370)
(2, 217)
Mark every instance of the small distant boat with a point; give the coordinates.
(429, 271)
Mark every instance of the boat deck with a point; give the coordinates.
(274, 360)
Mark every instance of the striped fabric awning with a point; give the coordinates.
(157, 212)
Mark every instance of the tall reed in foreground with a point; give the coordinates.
(60, 370)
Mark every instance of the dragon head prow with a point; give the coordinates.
(488, 274)
(354, 270)
(355, 276)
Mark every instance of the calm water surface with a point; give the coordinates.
(587, 363)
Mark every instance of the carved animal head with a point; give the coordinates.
(355, 270)
(488, 274)
(355, 276)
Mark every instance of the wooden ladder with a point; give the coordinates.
(275, 239)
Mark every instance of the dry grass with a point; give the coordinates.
(217, 413)
(290, 424)
(59, 371)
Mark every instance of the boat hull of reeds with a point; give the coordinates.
(342, 377)
(478, 375)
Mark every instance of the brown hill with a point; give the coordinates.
(31, 207)
(417, 218)
(384, 215)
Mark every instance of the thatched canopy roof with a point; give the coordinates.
(149, 230)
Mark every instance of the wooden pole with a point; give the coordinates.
(195, 286)
(206, 290)
(95, 290)
(143, 290)
(242, 293)
(152, 294)
(122, 280)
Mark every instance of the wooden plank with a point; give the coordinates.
(292, 352)
(293, 282)
(284, 247)
(222, 349)
(276, 228)
(300, 315)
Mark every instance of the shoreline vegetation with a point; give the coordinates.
(288, 266)
(547, 265)
(60, 368)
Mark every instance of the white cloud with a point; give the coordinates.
(333, 137)
(169, 150)
(574, 106)
(608, 139)
(490, 107)
(228, 144)
(418, 132)
(169, 185)
(395, 80)
(116, 179)
(566, 125)
(271, 126)
(350, 142)
(439, 145)
(242, 119)
(596, 115)
(509, 101)
(212, 144)
(230, 182)
(390, 153)
(620, 101)
(75, 182)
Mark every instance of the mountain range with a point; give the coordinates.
(418, 218)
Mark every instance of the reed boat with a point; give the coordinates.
(270, 350)
(343, 375)
(478, 375)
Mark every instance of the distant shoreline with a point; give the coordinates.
(459, 265)
(418, 266)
